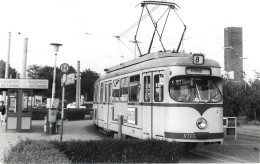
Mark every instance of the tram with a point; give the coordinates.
(162, 95)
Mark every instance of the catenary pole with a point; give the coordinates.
(24, 61)
(78, 84)
(7, 64)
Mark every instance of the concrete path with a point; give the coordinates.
(73, 130)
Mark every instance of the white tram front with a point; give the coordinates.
(162, 96)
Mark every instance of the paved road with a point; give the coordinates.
(246, 149)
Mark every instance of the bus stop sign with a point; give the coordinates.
(64, 67)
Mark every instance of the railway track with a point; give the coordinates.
(246, 149)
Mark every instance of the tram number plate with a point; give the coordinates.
(189, 136)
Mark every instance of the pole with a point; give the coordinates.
(120, 123)
(62, 110)
(24, 62)
(53, 82)
(78, 83)
(79, 88)
(7, 64)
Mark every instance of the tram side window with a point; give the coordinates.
(124, 85)
(101, 92)
(109, 92)
(106, 93)
(158, 88)
(147, 88)
(134, 92)
(116, 90)
(95, 94)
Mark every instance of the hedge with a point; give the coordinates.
(116, 151)
(71, 114)
(29, 151)
(96, 151)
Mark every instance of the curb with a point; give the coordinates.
(249, 134)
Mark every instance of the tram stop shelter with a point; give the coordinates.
(18, 116)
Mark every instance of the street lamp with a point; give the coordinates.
(56, 49)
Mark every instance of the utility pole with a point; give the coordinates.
(7, 64)
(24, 62)
(78, 85)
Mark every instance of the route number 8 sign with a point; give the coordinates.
(198, 59)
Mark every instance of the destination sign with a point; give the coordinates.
(24, 84)
(198, 71)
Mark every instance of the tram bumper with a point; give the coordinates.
(195, 137)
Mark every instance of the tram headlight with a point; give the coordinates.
(201, 123)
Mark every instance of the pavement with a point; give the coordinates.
(73, 130)
(252, 130)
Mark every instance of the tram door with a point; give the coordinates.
(147, 107)
(107, 104)
(153, 95)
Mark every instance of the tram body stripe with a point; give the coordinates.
(201, 108)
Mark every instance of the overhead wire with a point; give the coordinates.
(137, 22)
(78, 17)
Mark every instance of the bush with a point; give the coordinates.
(30, 151)
(115, 151)
(98, 151)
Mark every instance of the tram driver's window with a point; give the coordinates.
(158, 88)
(147, 88)
(124, 84)
(134, 92)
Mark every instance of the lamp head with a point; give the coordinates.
(56, 46)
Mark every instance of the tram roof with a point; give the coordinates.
(153, 60)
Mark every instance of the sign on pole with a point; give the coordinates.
(70, 79)
(64, 67)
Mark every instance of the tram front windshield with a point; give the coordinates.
(195, 89)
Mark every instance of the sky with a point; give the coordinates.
(87, 30)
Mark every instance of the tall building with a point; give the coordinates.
(233, 52)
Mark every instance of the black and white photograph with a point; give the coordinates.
(129, 81)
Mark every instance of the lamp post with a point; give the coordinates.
(56, 49)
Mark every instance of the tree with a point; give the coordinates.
(242, 99)
(88, 79)
(46, 72)
(252, 101)
(33, 71)
(12, 71)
